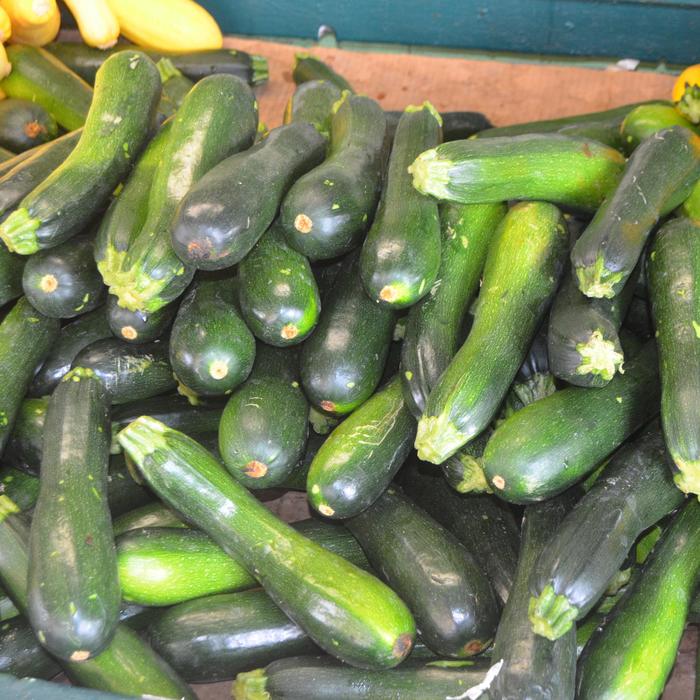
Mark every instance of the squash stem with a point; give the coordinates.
(551, 615)
(250, 686)
(142, 438)
(687, 478)
(437, 439)
(19, 232)
(431, 174)
(260, 71)
(597, 281)
(600, 357)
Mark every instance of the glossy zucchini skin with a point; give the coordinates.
(646, 120)
(24, 125)
(455, 125)
(434, 324)
(138, 326)
(129, 372)
(25, 448)
(360, 457)
(401, 254)
(68, 199)
(634, 492)
(445, 589)
(570, 432)
(327, 211)
(343, 360)
(328, 597)
(313, 102)
(673, 271)
(63, 282)
(21, 654)
(11, 268)
(632, 655)
(470, 390)
(277, 292)
(72, 338)
(308, 67)
(607, 252)
(217, 223)
(149, 516)
(23, 327)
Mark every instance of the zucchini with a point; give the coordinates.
(401, 254)
(570, 432)
(25, 448)
(354, 466)
(341, 607)
(129, 372)
(634, 492)
(646, 120)
(218, 117)
(327, 212)
(433, 326)
(526, 258)
(455, 125)
(11, 268)
(569, 171)
(72, 338)
(155, 515)
(24, 125)
(23, 327)
(691, 206)
(33, 688)
(607, 252)
(123, 493)
(224, 215)
(308, 67)
(278, 295)
(73, 586)
(21, 487)
(211, 348)
(63, 282)
(313, 102)
(533, 667)
(39, 77)
(175, 87)
(673, 269)
(343, 360)
(632, 655)
(75, 192)
(21, 654)
(449, 595)
(138, 326)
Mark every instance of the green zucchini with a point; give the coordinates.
(632, 655)
(25, 448)
(72, 338)
(607, 252)
(24, 328)
(278, 295)
(123, 493)
(155, 515)
(313, 102)
(308, 67)
(175, 87)
(570, 432)
(75, 192)
(21, 487)
(361, 456)
(13, 161)
(449, 595)
(455, 125)
(433, 327)
(138, 326)
(39, 77)
(21, 654)
(217, 118)
(673, 270)
(526, 258)
(569, 171)
(63, 282)
(11, 268)
(24, 125)
(634, 492)
(342, 608)
(646, 120)
(224, 215)
(691, 206)
(401, 255)
(211, 348)
(328, 211)
(130, 372)
(32, 688)
(73, 585)
(342, 361)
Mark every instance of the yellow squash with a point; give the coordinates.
(34, 22)
(686, 93)
(5, 25)
(97, 23)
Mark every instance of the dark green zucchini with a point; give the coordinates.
(569, 171)
(25, 448)
(607, 252)
(32, 688)
(401, 254)
(464, 471)
(24, 125)
(175, 87)
(117, 125)
(521, 274)
(63, 282)
(25, 329)
(361, 456)
(646, 120)
(445, 589)
(308, 67)
(313, 102)
(211, 348)
(39, 77)
(12, 162)
(21, 654)
(138, 326)
(73, 585)
(691, 206)
(278, 295)
(8, 611)
(217, 118)
(21, 487)
(632, 655)
(634, 492)
(343, 360)
(433, 327)
(72, 338)
(130, 372)
(455, 125)
(151, 516)
(551, 444)
(222, 217)
(673, 271)
(328, 211)
(123, 493)
(11, 268)
(341, 607)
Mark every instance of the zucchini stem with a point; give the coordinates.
(687, 478)
(142, 438)
(431, 174)
(597, 281)
(250, 685)
(689, 104)
(551, 615)
(600, 357)
(437, 439)
(259, 69)
(19, 232)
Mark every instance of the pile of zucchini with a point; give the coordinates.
(476, 349)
